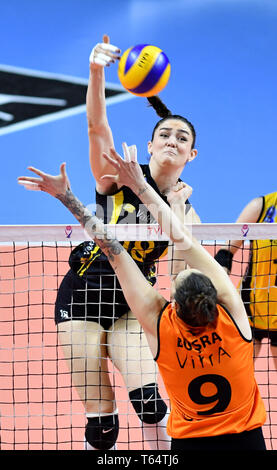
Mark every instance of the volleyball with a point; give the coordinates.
(144, 70)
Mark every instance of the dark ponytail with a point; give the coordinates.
(164, 113)
(197, 301)
(159, 106)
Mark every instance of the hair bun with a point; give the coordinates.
(205, 307)
(200, 298)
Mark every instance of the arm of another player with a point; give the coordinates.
(177, 198)
(187, 215)
(99, 131)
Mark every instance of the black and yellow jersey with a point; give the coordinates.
(122, 207)
(259, 285)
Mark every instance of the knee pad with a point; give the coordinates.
(102, 431)
(148, 403)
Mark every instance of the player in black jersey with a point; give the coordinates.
(92, 315)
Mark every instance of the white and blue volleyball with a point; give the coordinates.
(144, 70)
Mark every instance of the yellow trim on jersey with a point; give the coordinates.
(118, 200)
(91, 258)
(137, 252)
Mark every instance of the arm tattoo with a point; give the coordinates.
(109, 245)
(75, 206)
(142, 190)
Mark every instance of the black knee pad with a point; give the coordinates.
(102, 431)
(148, 403)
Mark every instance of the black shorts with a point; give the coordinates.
(247, 440)
(94, 298)
(259, 334)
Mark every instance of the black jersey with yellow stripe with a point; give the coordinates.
(122, 207)
(259, 285)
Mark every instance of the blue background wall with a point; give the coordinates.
(223, 56)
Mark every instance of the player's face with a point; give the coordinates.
(172, 144)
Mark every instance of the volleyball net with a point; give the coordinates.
(41, 407)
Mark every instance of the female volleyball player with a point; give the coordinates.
(202, 340)
(258, 287)
(90, 294)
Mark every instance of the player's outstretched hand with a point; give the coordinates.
(128, 171)
(54, 185)
(104, 53)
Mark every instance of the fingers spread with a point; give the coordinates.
(36, 171)
(116, 155)
(110, 177)
(130, 152)
(62, 169)
(126, 152)
(133, 153)
(29, 185)
(111, 160)
(29, 179)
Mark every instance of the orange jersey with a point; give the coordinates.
(209, 377)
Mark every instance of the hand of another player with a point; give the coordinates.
(54, 185)
(179, 194)
(128, 171)
(103, 54)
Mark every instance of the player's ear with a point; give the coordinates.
(193, 154)
(149, 146)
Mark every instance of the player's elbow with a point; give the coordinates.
(98, 129)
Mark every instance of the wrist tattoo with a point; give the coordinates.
(142, 190)
(109, 245)
(75, 206)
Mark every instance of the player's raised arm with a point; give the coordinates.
(99, 131)
(177, 197)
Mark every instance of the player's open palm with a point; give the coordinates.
(128, 171)
(53, 185)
